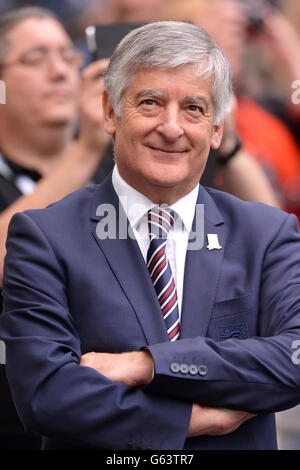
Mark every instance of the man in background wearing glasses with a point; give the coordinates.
(40, 161)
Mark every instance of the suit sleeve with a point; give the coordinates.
(54, 395)
(258, 374)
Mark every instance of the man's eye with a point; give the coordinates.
(148, 102)
(33, 58)
(195, 109)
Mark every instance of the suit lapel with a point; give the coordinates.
(126, 261)
(202, 271)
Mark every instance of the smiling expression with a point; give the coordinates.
(165, 132)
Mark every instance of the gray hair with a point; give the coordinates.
(169, 44)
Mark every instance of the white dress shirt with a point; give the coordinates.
(136, 207)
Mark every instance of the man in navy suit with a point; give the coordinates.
(90, 360)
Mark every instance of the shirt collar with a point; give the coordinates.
(136, 205)
(185, 207)
(11, 170)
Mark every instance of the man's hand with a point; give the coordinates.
(136, 368)
(133, 368)
(92, 135)
(229, 130)
(279, 41)
(215, 421)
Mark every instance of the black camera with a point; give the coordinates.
(256, 11)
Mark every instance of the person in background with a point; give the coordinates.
(276, 43)
(40, 158)
(274, 47)
(45, 97)
(133, 319)
(265, 137)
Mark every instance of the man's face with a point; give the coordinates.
(164, 134)
(42, 81)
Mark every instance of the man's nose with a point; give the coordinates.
(57, 67)
(170, 125)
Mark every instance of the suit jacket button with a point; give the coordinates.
(193, 369)
(184, 368)
(202, 369)
(174, 367)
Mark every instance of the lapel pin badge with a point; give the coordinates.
(213, 242)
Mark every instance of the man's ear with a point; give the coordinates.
(109, 117)
(217, 135)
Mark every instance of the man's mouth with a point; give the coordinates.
(168, 151)
(60, 93)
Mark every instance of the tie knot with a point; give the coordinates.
(160, 221)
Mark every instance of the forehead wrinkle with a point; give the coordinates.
(160, 95)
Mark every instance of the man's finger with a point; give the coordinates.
(95, 70)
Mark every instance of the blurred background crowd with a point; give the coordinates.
(53, 144)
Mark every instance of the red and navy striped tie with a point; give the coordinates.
(160, 221)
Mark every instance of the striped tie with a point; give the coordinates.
(160, 221)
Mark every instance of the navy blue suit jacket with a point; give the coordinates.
(67, 292)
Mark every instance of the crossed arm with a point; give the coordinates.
(136, 368)
(241, 372)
